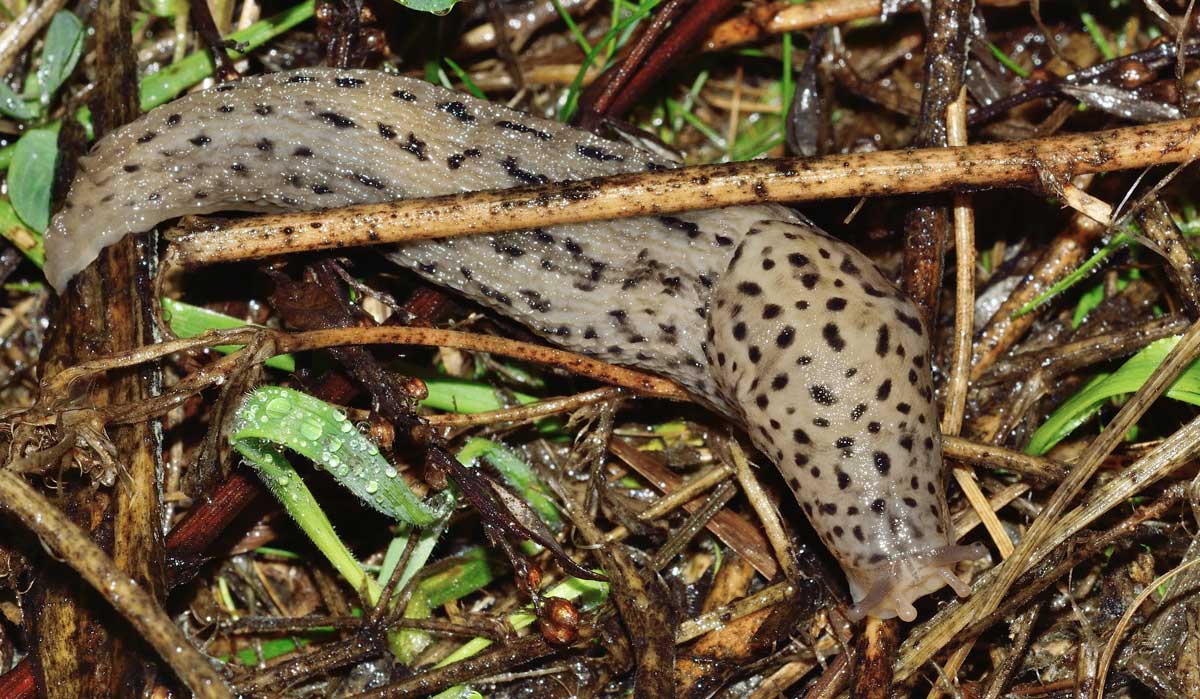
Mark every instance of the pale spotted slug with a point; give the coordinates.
(757, 312)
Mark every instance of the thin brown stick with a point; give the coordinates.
(282, 342)
(736, 531)
(1060, 258)
(1176, 361)
(685, 493)
(976, 454)
(523, 413)
(1084, 352)
(1011, 164)
(765, 509)
(135, 604)
(871, 677)
(766, 20)
(1110, 649)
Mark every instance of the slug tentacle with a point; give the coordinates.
(828, 364)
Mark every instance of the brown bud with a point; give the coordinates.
(1133, 73)
(382, 432)
(415, 388)
(559, 622)
(325, 13)
(374, 40)
(533, 577)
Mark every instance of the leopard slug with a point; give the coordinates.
(762, 316)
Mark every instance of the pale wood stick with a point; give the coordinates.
(1011, 164)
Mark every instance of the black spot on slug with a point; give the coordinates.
(337, 120)
(415, 146)
(510, 166)
(371, 182)
(458, 110)
(521, 128)
(597, 153)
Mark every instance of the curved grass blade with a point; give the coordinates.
(272, 415)
(1125, 380)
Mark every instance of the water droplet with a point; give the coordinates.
(372, 486)
(278, 407)
(310, 428)
(390, 472)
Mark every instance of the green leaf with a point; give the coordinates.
(272, 415)
(64, 45)
(31, 176)
(437, 7)
(1125, 380)
(187, 321)
(13, 106)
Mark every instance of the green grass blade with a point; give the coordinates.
(323, 434)
(1125, 380)
(465, 78)
(187, 321)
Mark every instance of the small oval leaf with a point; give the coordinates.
(31, 175)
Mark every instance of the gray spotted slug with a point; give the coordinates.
(762, 316)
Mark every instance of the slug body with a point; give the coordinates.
(758, 313)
